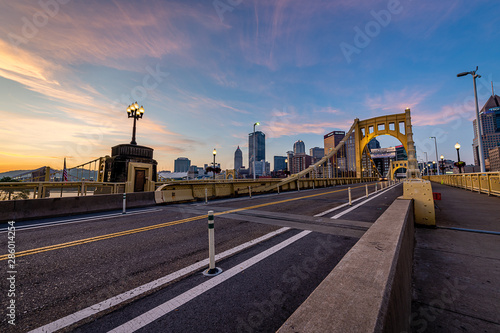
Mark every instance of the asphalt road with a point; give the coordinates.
(67, 265)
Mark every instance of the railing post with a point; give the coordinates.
(489, 184)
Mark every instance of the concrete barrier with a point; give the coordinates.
(18, 210)
(370, 288)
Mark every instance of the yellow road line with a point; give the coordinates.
(156, 226)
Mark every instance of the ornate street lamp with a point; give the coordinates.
(214, 153)
(442, 164)
(136, 112)
(458, 164)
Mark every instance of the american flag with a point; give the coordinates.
(65, 172)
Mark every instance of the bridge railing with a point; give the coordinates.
(37, 190)
(481, 182)
(190, 189)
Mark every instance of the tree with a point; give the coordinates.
(11, 193)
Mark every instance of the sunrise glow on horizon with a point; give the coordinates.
(206, 72)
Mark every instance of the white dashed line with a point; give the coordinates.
(361, 203)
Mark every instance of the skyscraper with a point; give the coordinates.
(279, 163)
(373, 144)
(331, 140)
(289, 156)
(490, 120)
(299, 147)
(182, 164)
(260, 148)
(238, 159)
(316, 153)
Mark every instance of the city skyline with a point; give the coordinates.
(206, 75)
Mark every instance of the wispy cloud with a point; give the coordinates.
(290, 122)
(396, 101)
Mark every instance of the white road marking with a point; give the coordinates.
(118, 299)
(361, 203)
(161, 310)
(341, 206)
(81, 219)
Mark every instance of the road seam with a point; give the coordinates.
(157, 226)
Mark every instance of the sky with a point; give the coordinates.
(206, 71)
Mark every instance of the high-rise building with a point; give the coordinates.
(182, 164)
(289, 156)
(260, 168)
(373, 144)
(331, 140)
(401, 154)
(299, 147)
(300, 162)
(382, 158)
(260, 148)
(490, 120)
(279, 163)
(317, 153)
(495, 159)
(238, 159)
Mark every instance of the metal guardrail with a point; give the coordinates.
(481, 182)
(177, 189)
(37, 190)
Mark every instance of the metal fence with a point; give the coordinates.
(481, 182)
(37, 190)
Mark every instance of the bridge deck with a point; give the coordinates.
(457, 272)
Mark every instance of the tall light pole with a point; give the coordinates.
(425, 164)
(213, 171)
(479, 129)
(457, 147)
(436, 147)
(254, 156)
(135, 112)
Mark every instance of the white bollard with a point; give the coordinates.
(375, 187)
(206, 196)
(212, 270)
(366, 190)
(350, 200)
(250, 191)
(278, 189)
(124, 211)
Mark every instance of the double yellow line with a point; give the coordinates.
(156, 226)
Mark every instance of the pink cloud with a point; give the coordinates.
(290, 122)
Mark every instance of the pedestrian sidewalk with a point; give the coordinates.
(456, 273)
